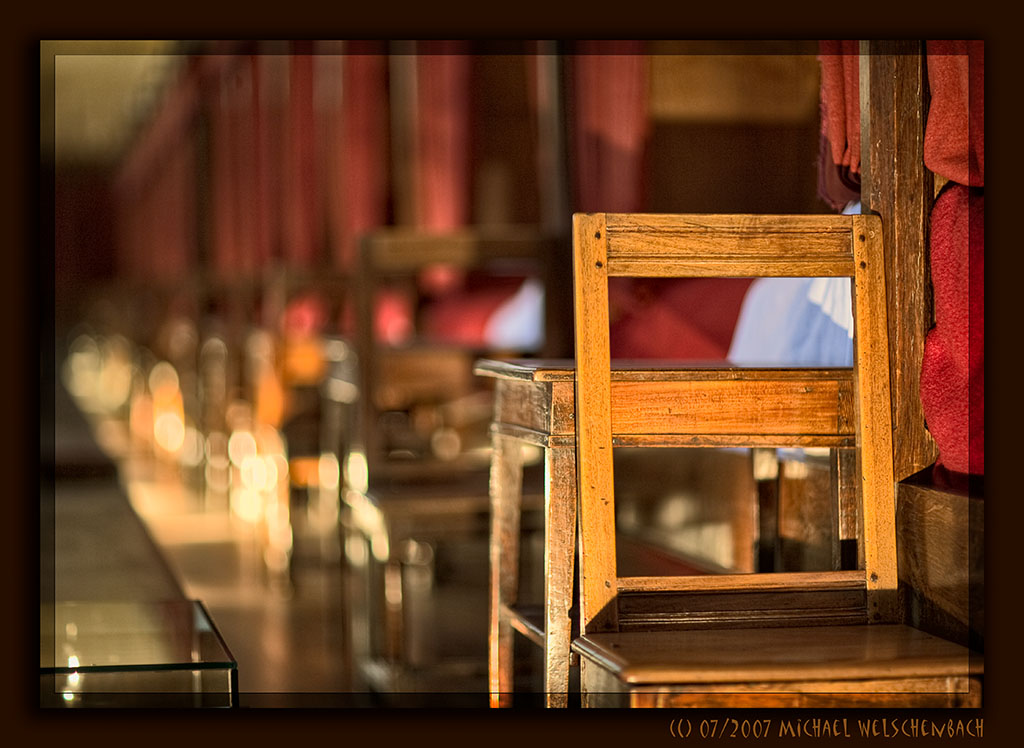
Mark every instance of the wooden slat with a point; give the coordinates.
(528, 621)
(651, 245)
(404, 250)
(732, 407)
(742, 608)
(544, 439)
(595, 480)
(653, 370)
(875, 693)
(777, 582)
(875, 448)
(820, 404)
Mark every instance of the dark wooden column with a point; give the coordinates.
(896, 185)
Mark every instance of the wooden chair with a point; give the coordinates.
(794, 639)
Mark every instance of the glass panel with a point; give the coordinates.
(118, 654)
(123, 636)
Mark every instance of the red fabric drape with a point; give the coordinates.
(840, 100)
(952, 373)
(362, 154)
(303, 212)
(442, 151)
(953, 370)
(169, 215)
(611, 125)
(224, 122)
(260, 212)
(156, 192)
(954, 140)
(443, 145)
(245, 173)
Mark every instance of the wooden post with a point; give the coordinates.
(896, 185)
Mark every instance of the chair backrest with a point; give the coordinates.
(427, 372)
(738, 412)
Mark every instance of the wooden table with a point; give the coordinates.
(535, 405)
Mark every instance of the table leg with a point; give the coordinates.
(559, 548)
(506, 504)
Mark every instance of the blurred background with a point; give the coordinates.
(274, 263)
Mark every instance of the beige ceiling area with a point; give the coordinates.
(94, 95)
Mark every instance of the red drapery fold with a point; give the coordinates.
(361, 171)
(442, 139)
(442, 151)
(953, 370)
(245, 172)
(954, 140)
(303, 212)
(156, 192)
(840, 101)
(224, 122)
(611, 125)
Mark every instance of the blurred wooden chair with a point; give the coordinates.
(768, 640)
(416, 462)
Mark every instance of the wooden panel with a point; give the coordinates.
(713, 609)
(652, 245)
(825, 653)
(732, 407)
(525, 404)
(596, 484)
(942, 558)
(896, 185)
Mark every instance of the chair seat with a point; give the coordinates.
(781, 656)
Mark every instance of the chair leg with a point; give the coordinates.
(559, 549)
(506, 504)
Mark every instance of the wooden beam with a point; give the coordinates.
(896, 185)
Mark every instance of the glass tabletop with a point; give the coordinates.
(148, 647)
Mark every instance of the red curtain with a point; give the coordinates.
(954, 141)
(361, 152)
(442, 139)
(303, 210)
(156, 193)
(840, 101)
(224, 125)
(610, 125)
